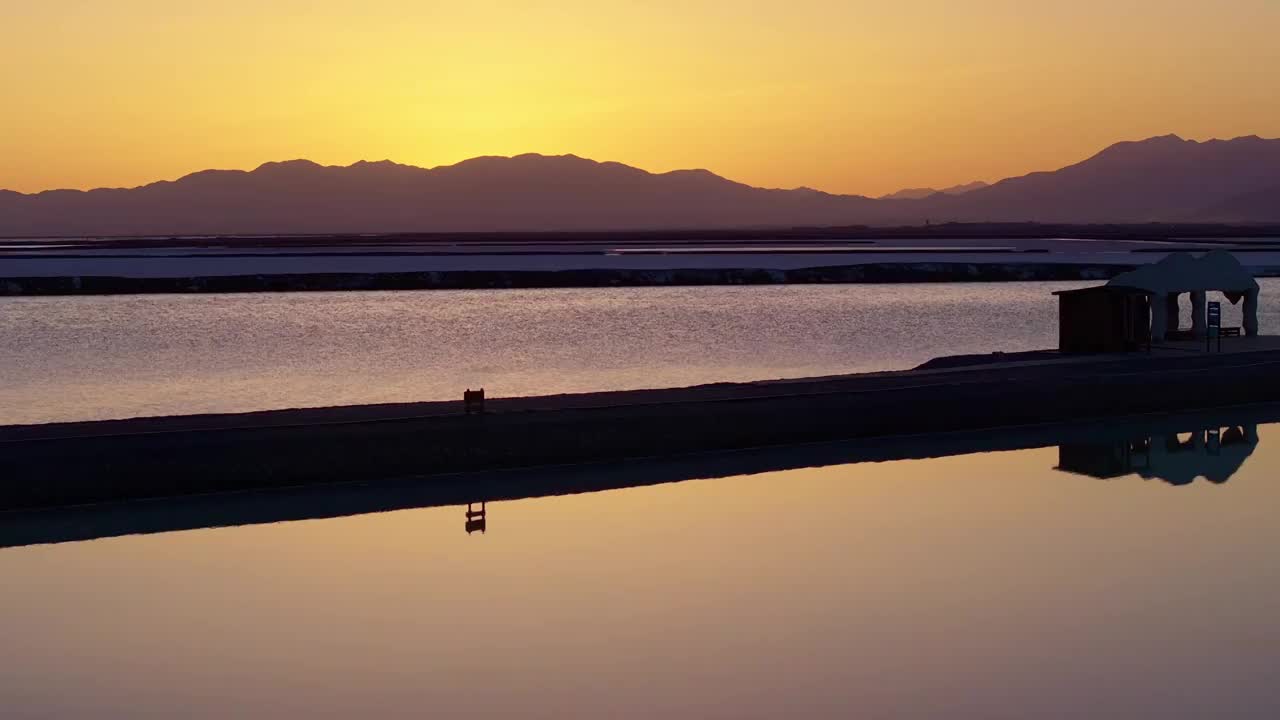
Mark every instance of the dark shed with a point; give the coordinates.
(1103, 319)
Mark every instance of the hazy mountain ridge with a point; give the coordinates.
(1159, 179)
(921, 193)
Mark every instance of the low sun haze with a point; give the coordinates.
(846, 96)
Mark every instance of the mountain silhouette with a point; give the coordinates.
(919, 193)
(1160, 179)
(527, 192)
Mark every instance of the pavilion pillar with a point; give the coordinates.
(1251, 434)
(1198, 308)
(1251, 313)
(1159, 318)
(1174, 314)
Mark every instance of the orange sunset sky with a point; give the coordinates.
(847, 96)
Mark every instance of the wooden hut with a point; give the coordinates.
(1103, 319)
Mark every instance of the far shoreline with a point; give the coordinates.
(1153, 231)
(948, 253)
(869, 273)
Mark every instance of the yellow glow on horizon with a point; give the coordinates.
(853, 96)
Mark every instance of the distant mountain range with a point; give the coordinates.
(1164, 179)
(920, 193)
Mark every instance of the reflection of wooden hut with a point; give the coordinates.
(1104, 460)
(1141, 306)
(1103, 319)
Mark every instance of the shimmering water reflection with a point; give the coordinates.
(83, 358)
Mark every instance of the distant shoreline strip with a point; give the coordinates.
(870, 273)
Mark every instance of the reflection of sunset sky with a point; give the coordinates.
(982, 586)
(846, 96)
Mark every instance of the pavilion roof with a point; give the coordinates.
(1183, 272)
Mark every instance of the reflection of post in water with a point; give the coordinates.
(476, 517)
(1214, 453)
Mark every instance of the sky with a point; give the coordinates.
(851, 96)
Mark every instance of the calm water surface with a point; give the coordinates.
(975, 586)
(101, 357)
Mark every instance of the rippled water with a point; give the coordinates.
(969, 587)
(102, 357)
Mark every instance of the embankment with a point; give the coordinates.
(312, 502)
(51, 465)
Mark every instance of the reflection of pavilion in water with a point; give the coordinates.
(1176, 458)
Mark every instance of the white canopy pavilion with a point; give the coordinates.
(1181, 273)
